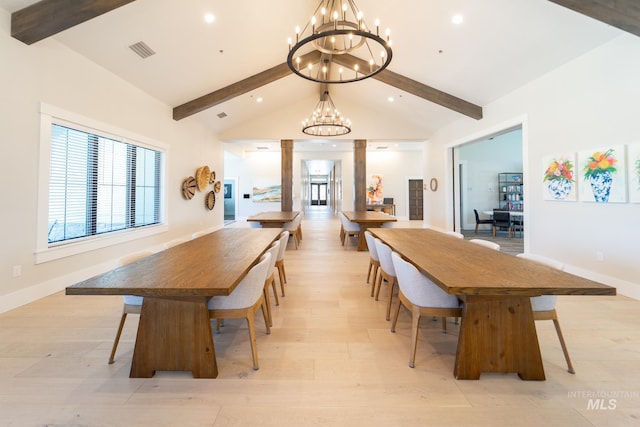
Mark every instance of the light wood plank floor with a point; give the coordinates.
(330, 360)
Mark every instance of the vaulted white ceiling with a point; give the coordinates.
(500, 46)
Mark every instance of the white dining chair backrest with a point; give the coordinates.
(371, 244)
(486, 243)
(388, 224)
(248, 290)
(543, 302)
(455, 234)
(283, 239)
(273, 251)
(292, 225)
(199, 234)
(347, 224)
(384, 256)
(172, 243)
(418, 288)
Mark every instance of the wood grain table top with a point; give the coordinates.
(368, 216)
(210, 265)
(274, 216)
(464, 268)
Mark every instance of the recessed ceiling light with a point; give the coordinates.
(457, 19)
(209, 18)
(390, 99)
(259, 99)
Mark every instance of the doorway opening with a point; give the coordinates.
(477, 166)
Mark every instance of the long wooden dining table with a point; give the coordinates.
(497, 332)
(367, 219)
(174, 331)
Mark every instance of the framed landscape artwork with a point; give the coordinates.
(271, 193)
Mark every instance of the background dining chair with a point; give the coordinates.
(486, 243)
(244, 302)
(421, 297)
(481, 221)
(387, 272)
(295, 229)
(270, 281)
(254, 224)
(172, 243)
(199, 234)
(374, 262)
(544, 306)
(351, 229)
(132, 304)
(502, 219)
(282, 275)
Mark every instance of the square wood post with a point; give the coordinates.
(360, 174)
(286, 175)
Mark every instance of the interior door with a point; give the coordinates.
(416, 199)
(319, 194)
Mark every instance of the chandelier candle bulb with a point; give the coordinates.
(339, 36)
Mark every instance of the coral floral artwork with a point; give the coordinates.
(559, 178)
(374, 190)
(603, 175)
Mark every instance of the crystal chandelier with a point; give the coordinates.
(337, 46)
(325, 120)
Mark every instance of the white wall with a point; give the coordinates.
(587, 103)
(48, 72)
(253, 169)
(396, 168)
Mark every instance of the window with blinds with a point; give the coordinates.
(100, 185)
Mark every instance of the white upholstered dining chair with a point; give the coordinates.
(350, 228)
(544, 306)
(295, 229)
(270, 281)
(387, 272)
(421, 297)
(132, 304)
(374, 261)
(244, 302)
(486, 244)
(282, 275)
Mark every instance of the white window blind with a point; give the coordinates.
(100, 185)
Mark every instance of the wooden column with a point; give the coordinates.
(286, 175)
(360, 174)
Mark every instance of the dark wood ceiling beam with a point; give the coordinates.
(236, 89)
(623, 14)
(415, 88)
(49, 17)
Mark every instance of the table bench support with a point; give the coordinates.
(498, 334)
(174, 334)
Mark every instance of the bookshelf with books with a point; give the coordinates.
(510, 195)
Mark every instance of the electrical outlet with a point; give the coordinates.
(17, 270)
(599, 256)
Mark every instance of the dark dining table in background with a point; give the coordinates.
(174, 331)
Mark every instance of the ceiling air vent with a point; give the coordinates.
(142, 50)
(381, 147)
(222, 115)
(262, 148)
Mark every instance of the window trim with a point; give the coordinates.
(44, 251)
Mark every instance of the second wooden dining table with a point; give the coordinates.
(497, 333)
(274, 219)
(174, 331)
